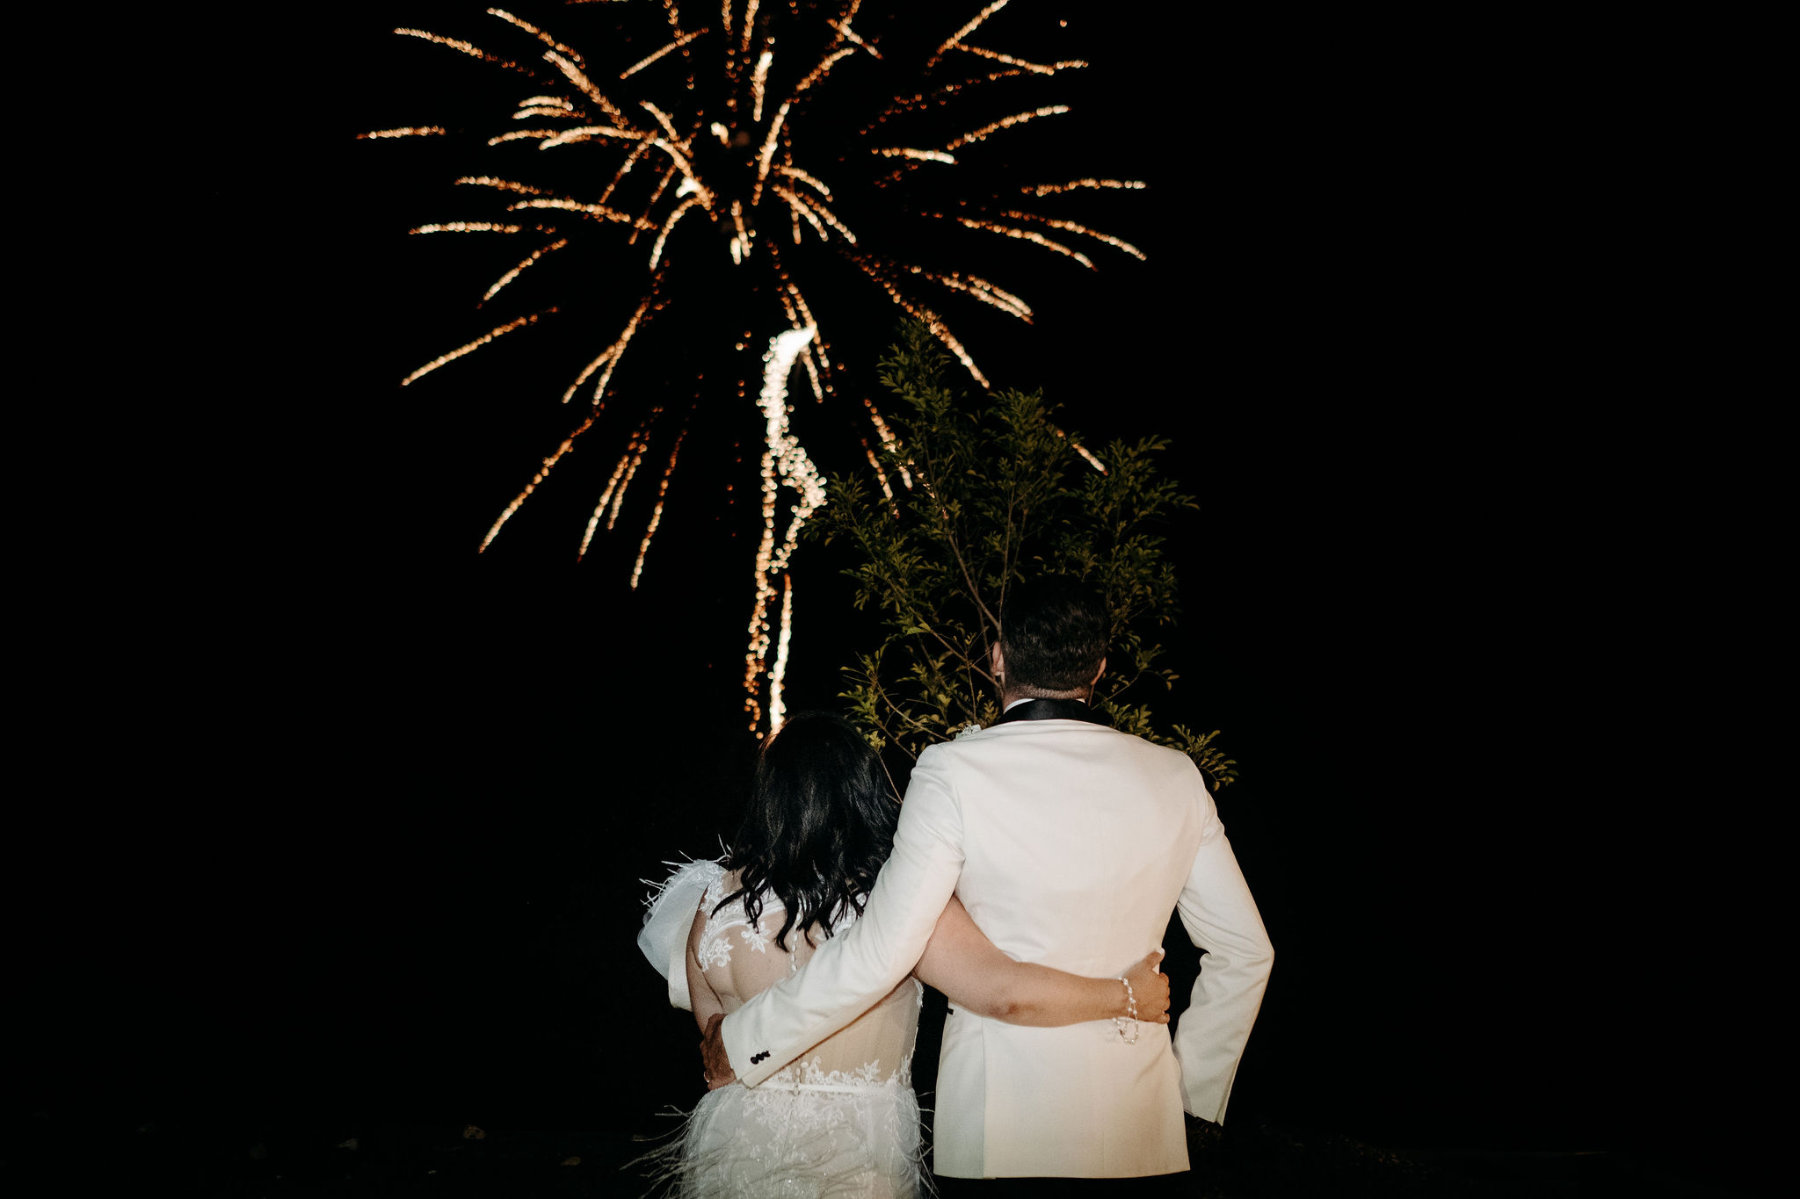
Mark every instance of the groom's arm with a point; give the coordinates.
(1221, 917)
(853, 970)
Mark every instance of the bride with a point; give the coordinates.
(842, 1119)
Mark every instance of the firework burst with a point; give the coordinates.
(768, 141)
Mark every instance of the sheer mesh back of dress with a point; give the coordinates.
(740, 961)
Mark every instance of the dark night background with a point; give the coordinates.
(346, 823)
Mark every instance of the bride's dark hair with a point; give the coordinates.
(819, 825)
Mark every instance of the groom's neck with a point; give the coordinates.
(1012, 695)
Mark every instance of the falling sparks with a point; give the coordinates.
(778, 675)
(593, 210)
(509, 185)
(605, 499)
(973, 135)
(1118, 243)
(637, 568)
(887, 490)
(1030, 235)
(411, 131)
(608, 358)
(982, 290)
(641, 63)
(534, 31)
(757, 80)
(955, 40)
(470, 347)
(1036, 68)
(530, 260)
(1017, 118)
(1086, 456)
(888, 441)
(919, 155)
(784, 463)
(684, 151)
(1056, 189)
(467, 227)
(461, 47)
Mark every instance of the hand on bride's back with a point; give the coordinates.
(1150, 987)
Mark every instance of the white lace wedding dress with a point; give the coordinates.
(840, 1121)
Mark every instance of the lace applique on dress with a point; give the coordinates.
(811, 1072)
(714, 949)
(841, 1120)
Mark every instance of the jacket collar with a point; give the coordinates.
(1052, 709)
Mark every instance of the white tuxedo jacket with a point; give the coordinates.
(1069, 843)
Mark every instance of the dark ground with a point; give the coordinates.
(1253, 1162)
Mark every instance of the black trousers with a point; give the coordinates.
(1158, 1186)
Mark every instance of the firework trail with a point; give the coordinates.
(719, 139)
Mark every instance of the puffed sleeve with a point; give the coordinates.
(664, 937)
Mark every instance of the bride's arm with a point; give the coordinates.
(962, 963)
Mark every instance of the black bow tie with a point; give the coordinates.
(1052, 709)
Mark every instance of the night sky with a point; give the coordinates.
(392, 798)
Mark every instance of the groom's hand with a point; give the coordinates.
(713, 1061)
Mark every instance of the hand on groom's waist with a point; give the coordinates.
(713, 1060)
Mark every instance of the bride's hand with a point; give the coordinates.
(1150, 987)
(714, 1063)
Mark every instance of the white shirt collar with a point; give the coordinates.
(1028, 699)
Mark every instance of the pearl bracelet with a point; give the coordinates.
(1129, 1034)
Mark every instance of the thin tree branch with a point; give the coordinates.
(881, 694)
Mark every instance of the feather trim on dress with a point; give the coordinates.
(775, 1142)
(670, 914)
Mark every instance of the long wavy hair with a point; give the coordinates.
(818, 827)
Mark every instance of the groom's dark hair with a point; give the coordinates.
(1053, 633)
(818, 827)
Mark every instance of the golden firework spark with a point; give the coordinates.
(784, 463)
(1052, 189)
(702, 155)
(530, 260)
(450, 356)
(409, 131)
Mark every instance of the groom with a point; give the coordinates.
(1069, 843)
